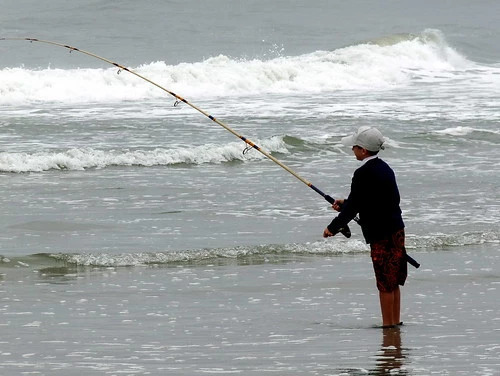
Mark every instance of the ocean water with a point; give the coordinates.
(155, 242)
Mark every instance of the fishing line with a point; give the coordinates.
(345, 231)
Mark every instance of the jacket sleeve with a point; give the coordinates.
(351, 206)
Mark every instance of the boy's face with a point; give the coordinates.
(360, 152)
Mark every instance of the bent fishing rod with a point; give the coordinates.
(344, 231)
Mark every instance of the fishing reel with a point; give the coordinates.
(346, 231)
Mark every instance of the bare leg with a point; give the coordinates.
(390, 304)
(387, 307)
(396, 312)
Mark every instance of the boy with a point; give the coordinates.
(375, 197)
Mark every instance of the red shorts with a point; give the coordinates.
(389, 261)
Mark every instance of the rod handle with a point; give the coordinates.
(412, 261)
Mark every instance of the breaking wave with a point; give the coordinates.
(248, 254)
(85, 158)
(382, 63)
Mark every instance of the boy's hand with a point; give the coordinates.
(337, 205)
(327, 233)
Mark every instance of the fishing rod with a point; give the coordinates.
(344, 231)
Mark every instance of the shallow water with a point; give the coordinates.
(277, 314)
(138, 238)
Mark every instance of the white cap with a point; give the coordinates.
(366, 137)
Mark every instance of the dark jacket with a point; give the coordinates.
(375, 197)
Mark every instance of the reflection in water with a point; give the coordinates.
(390, 360)
(391, 357)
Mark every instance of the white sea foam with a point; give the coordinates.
(464, 131)
(325, 248)
(83, 158)
(379, 64)
(146, 258)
